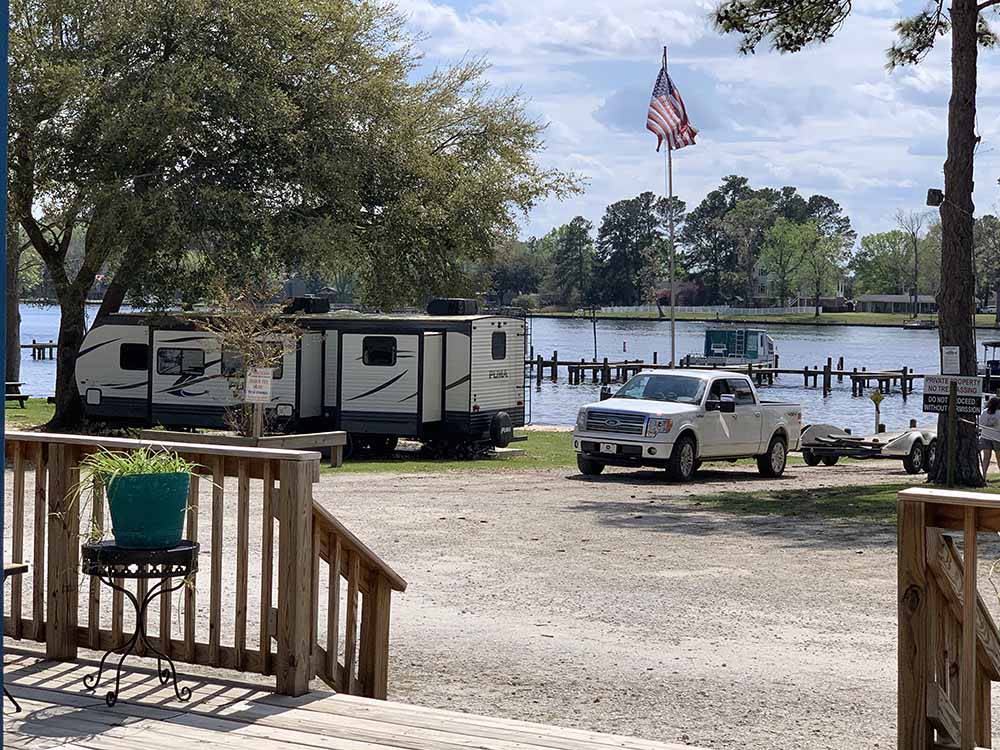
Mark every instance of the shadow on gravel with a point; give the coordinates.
(827, 517)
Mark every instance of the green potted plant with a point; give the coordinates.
(147, 494)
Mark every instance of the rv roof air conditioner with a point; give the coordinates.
(310, 305)
(453, 306)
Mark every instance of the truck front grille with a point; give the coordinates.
(618, 422)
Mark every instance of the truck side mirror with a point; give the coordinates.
(605, 392)
(727, 403)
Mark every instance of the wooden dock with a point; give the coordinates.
(607, 371)
(58, 712)
(42, 349)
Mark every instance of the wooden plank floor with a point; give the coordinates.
(58, 713)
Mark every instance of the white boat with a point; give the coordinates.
(734, 347)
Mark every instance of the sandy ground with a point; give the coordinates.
(613, 604)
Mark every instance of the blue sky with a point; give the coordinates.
(828, 120)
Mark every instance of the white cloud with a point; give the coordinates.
(830, 119)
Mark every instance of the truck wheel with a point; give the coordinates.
(588, 466)
(830, 460)
(683, 460)
(772, 464)
(915, 459)
(809, 457)
(930, 456)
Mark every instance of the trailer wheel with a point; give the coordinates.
(809, 457)
(830, 460)
(588, 466)
(772, 464)
(915, 459)
(683, 459)
(930, 456)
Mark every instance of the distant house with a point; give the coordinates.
(895, 303)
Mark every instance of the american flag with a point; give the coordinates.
(667, 116)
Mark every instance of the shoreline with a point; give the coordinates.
(758, 320)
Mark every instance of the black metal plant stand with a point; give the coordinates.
(108, 562)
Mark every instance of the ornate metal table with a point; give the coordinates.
(108, 562)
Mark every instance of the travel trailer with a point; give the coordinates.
(453, 377)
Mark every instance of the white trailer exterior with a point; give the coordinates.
(448, 378)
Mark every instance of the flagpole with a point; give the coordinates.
(669, 176)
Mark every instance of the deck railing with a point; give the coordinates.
(949, 646)
(285, 614)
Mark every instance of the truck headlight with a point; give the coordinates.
(658, 426)
(581, 420)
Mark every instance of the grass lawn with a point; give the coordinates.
(867, 503)
(544, 449)
(36, 411)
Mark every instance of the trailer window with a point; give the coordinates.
(499, 345)
(379, 351)
(133, 357)
(180, 361)
(232, 365)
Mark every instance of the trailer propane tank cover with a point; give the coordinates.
(501, 429)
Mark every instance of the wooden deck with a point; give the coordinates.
(58, 713)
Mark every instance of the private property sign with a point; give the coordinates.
(969, 394)
(258, 386)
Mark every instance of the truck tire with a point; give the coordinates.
(830, 460)
(915, 459)
(683, 459)
(772, 464)
(588, 466)
(809, 457)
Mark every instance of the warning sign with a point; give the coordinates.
(969, 394)
(258, 386)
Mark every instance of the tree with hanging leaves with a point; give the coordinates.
(791, 25)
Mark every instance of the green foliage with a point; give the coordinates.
(823, 259)
(747, 224)
(711, 252)
(882, 264)
(112, 464)
(573, 263)
(986, 246)
(629, 231)
(782, 254)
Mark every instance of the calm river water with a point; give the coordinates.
(556, 403)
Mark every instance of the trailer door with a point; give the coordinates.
(379, 384)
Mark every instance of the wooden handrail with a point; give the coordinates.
(949, 645)
(266, 486)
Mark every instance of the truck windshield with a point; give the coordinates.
(663, 388)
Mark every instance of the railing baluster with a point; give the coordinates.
(191, 589)
(215, 595)
(266, 566)
(242, 561)
(333, 610)
(94, 605)
(41, 507)
(17, 542)
(969, 611)
(314, 592)
(351, 637)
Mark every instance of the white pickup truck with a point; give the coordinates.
(676, 419)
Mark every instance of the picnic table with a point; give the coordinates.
(13, 393)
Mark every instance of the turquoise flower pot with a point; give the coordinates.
(147, 510)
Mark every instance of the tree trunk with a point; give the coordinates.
(956, 297)
(12, 365)
(114, 298)
(916, 280)
(72, 328)
(819, 287)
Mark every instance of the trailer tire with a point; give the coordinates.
(501, 429)
(772, 464)
(588, 466)
(930, 458)
(830, 460)
(915, 459)
(683, 459)
(809, 457)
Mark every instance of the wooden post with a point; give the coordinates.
(827, 380)
(969, 614)
(840, 369)
(605, 373)
(294, 667)
(555, 366)
(805, 376)
(655, 357)
(538, 370)
(913, 622)
(63, 555)
(903, 383)
(375, 640)
(854, 382)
